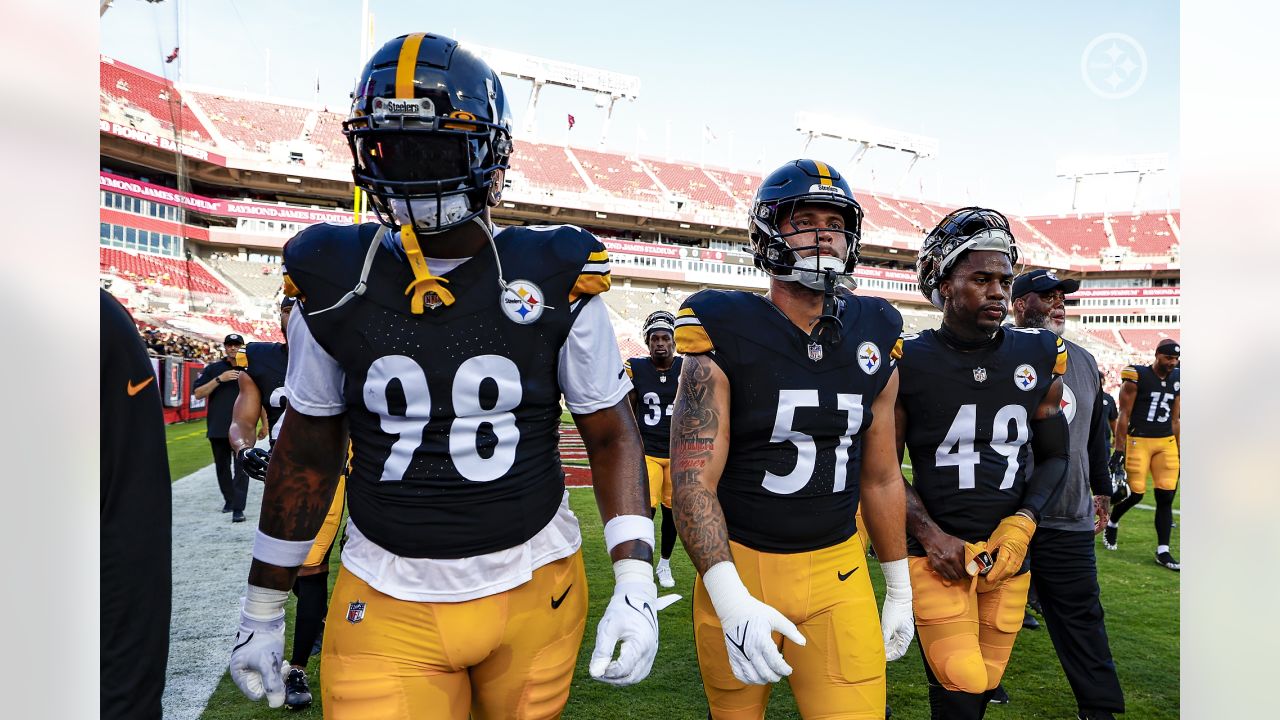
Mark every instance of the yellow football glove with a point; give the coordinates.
(1008, 546)
(976, 558)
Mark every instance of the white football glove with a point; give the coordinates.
(632, 618)
(258, 655)
(748, 627)
(897, 622)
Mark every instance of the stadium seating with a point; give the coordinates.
(882, 215)
(1085, 235)
(1149, 234)
(249, 276)
(692, 182)
(327, 135)
(617, 175)
(741, 185)
(253, 125)
(139, 90)
(1145, 341)
(546, 167)
(142, 268)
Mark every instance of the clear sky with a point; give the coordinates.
(1006, 88)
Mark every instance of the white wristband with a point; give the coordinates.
(724, 587)
(627, 527)
(281, 553)
(264, 604)
(897, 576)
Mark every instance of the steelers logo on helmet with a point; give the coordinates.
(869, 357)
(782, 193)
(522, 301)
(963, 230)
(429, 133)
(1025, 377)
(1068, 403)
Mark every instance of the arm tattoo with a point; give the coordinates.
(695, 422)
(300, 484)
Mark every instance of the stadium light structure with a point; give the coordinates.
(866, 138)
(1077, 169)
(609, 87)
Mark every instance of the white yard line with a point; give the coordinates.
(210, 563)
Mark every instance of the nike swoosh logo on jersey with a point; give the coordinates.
(134, 389)
(845, 576)
(555, 602)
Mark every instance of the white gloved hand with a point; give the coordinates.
(897, 621)
(258, 655)
(632, 618)
(748, 627)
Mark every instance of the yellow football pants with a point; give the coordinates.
(659, 480)
(967, 632)
(509, 655)
(1159, 456)
(840, 672)
(318, 556)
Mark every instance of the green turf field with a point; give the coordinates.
(1141, 600)
(188, 449)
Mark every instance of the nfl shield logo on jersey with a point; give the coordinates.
(815, 352)
(522, 301)
(1025, 377)
(869, 357)
(355, 612)
(980, 374)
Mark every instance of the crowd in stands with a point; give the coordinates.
(165, 342)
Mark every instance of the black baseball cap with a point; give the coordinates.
(233, 339)
(1039, 281)
(1169, 346)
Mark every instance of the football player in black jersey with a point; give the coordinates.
(782, 424)
(1147, 436)
(975, 399)
(262, 373)
(653, 391)
(444, 348)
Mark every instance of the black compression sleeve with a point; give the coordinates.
(1049, 445)
(1099, 452)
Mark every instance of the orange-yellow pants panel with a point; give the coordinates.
(659, 470)
(840, 672)
(509, 655)
(1159, 456)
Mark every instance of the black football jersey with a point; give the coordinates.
(266, 363)
(968, 422)
(1152, 414)
(655, 393)
(454, 413)
(797, 413)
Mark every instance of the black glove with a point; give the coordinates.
(1116, 466)
(254, 461)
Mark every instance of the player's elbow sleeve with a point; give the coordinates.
(1050, 438)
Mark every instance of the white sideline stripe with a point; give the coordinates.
(211, 558)
(1153, 507)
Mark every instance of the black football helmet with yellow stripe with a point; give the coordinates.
(429, 132)
(797, 183)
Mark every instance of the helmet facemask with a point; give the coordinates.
(964, 230)
(820, 271)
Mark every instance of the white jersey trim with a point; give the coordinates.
(462, 579)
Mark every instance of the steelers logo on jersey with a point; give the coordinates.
(1025, 377)
(522, 301)
(1068, 403)
(869, 357)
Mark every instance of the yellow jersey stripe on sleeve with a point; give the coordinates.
(591, 284)
(1060, 366)
(598, 256)
(626, 365)
(290, 290)
(242, 360)
(896, 352)
(1129, 373)
(692, 339)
